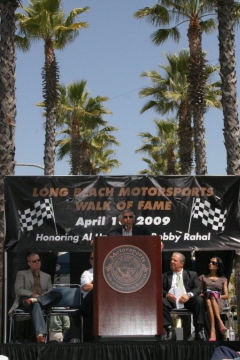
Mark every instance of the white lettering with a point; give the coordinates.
(171, 237)
(100, 221)
(70, 238)
(197, 237)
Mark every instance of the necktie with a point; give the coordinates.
(180, 284)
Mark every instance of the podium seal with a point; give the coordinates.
(126, 269)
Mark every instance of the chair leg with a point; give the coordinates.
(10, 330)
(81, 329)
(11, 337)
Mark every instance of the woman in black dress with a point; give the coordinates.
(214, 289)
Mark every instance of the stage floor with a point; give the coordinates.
(118, 350)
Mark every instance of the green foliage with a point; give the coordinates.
(79, 110)
(161, 149)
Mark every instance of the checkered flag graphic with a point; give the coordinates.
(216, 218)
(28, 218)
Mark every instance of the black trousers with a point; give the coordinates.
(87, 305)
(194, 304)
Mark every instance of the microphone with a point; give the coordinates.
(125, 226)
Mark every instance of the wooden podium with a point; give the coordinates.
(127, 286)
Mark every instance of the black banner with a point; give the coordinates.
(65, 213)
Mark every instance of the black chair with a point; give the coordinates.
(17, 315)
(69, 304)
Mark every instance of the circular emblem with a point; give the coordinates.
(126, 269)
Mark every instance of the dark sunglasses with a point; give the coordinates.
(125, 216)
(34, 261)
(213, 262)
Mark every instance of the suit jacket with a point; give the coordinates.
(190, 281)
(136, 230)
(24, 283)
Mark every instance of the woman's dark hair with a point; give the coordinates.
(220, 270)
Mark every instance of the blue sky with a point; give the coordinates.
(110, 55)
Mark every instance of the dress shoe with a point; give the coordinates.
(170, 334)
(191, 337)
(30, 301)
(200, 333)
(41, 338)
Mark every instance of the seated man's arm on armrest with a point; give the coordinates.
(87, 287)
(86, 282)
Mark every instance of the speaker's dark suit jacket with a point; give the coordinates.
(136, 230)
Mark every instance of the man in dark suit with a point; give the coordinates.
(127, 227)
(33, 289)
(182, 288)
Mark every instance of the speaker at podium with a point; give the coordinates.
(127, 295)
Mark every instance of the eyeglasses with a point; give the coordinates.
(213, 262)
(34, 261)
(127, 217)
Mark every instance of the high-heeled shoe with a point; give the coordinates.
(223, 330)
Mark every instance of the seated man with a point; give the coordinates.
(182, 287)
(33, 292)
(86, 280)
(86, 308)
(86, 283)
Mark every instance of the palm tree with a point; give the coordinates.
(161, 149)
(102, 161)
(45, 20)
(86, 134)
(226, 10)
(7, 108)
(193, 12)
(170, 93)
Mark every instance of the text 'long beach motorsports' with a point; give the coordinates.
(67, 212)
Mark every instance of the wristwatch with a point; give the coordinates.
(190, 294)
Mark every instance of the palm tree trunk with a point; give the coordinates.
(7, 109)
(197, 86)
(50, 76)
(227, 61)
(75, 148)
(185, 138)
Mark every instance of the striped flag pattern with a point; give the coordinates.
(28, 218)
(214, 217)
